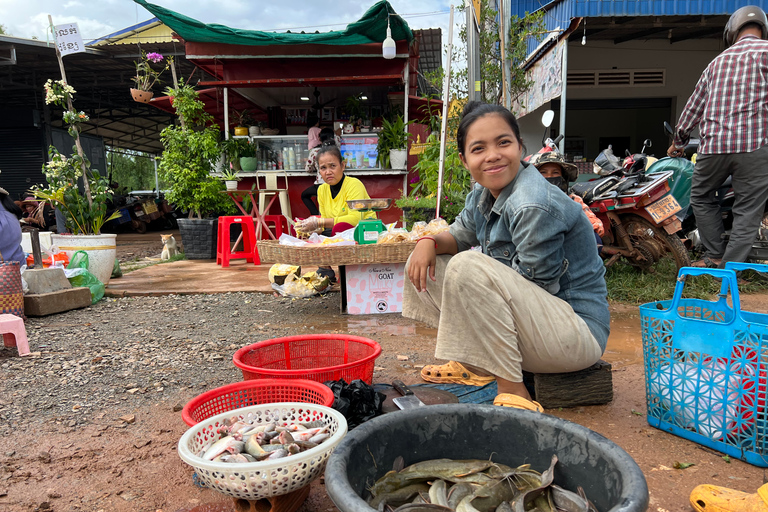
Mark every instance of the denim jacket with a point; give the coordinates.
(538, 231)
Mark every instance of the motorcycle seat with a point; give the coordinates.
(588, 190)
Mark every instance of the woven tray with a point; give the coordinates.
(271, 251)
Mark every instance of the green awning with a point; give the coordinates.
(371, 28)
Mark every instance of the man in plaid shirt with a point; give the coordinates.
(730, 106)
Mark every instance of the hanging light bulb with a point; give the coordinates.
(388, 46)
(584, 37)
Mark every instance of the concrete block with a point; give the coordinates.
(44, 304)
(46, 280)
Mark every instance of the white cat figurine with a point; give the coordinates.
(169, 247)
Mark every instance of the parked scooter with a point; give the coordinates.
(637, 212)
(724, 195)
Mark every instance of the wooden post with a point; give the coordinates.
(86, 172)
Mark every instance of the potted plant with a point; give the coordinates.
(242, 120)
(393, 143)
(248, 160)
(85, 212)
(191, 150)
(147, 76)
(354, 109)
(230, 177)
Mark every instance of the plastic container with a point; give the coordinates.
(254, 392)
(318, 357)
(609, 476)
(257, 480)
(706, 370)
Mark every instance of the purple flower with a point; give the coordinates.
(154, 57)
(414, 179)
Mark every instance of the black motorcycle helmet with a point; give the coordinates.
(740, 18)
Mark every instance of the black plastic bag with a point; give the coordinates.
(357, 401)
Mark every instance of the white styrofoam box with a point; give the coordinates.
(374, 288)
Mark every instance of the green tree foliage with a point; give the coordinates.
(191, 150)
(131, 170)
(520, 31)
(4, 31)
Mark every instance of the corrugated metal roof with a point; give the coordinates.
(626, 20)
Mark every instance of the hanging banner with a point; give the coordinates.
(68, 39)
(546, 75)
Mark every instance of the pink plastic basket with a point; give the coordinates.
(318, 357)
(254, 392)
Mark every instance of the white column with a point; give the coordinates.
(564, 79)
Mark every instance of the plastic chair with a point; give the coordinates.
(14, 333)
(268, 184)
(225, 250)
(279, 226)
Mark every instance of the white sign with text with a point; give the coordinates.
(68, 39)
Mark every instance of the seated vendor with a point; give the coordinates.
(534, 297)
(332, 196)
(10, 229)
(39, 215)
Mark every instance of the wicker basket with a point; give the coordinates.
(271, 251)
(394, 253)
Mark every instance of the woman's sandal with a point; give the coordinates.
(517, 402)
(712, 498)
(453, 373)
(706, 262)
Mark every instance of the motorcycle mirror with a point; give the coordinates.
(668, 129)
(647, 143)
(547, 118)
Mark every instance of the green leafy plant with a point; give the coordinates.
(234, 149)
(230, 175)
(241, 118)
(391, 136)
(85, 213)
(190, 152)
(354, 108)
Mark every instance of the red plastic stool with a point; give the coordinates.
(279, 225)
(14, 333)
(224, 249)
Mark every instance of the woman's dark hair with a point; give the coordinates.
(9, 205)
(312, 119)
(327, 136)
(331, 149)
(473, 111)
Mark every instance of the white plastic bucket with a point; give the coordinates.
(101, 249)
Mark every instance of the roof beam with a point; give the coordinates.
(694, 35)
(639, 35)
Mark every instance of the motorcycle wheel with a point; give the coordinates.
(140, 227)
(655, 244)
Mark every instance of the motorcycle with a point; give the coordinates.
(725, 197)
(637, 212)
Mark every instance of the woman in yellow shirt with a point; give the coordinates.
(332, 197)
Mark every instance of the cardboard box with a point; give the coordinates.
(372, 289)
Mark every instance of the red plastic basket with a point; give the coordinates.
(254, 392)
(318, 357)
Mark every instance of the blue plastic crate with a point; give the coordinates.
(706, 368)
(124, 217)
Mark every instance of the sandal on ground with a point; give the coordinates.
(453, 373)
(517, 402)
(706, 262)
(712, 498)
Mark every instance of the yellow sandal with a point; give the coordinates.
(516, 401)
(453, 372)
(712, 498)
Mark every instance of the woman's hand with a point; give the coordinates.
(308, 225)
(422, 263)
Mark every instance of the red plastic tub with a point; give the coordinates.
(318, 357)
(254, 392)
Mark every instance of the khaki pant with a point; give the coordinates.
(491, 317)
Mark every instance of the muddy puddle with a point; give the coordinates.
(625, 344)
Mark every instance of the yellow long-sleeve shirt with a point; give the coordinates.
(336, 208)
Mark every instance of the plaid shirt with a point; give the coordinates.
(730, 102)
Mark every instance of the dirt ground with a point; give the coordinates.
(119, 452)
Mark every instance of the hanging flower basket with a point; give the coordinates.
(141, 96)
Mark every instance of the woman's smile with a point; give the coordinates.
(492, 153)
